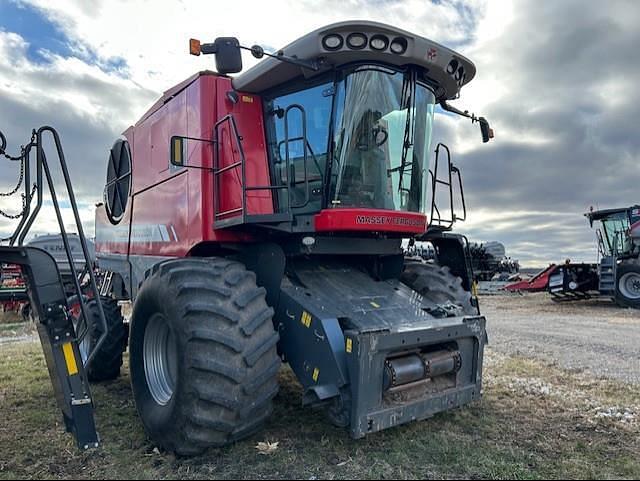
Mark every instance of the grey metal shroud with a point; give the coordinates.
(339, 326)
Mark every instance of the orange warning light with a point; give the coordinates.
(194, 46)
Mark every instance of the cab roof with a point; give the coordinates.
(347, 42)
(597, 215)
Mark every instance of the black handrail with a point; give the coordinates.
(436, 218)
(307, 193)
(240, 164)
(23, 228)
(313, 155)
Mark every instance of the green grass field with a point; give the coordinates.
(535, 422)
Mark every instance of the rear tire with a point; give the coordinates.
(628, 284)
(107, 362)
(203, 354)
(437, 284)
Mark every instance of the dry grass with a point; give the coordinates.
(10, 317)
(535, 422)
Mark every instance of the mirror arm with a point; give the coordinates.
(483, 122)
(182, 139)
(258, 52)
(453, 110)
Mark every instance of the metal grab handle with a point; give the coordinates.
(241, 164)
(28, 218)
(313, 155)
(435, 181)
(83, 241)
(436, 217)
(303, 114)
(456, 171)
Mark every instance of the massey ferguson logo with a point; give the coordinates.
(388, 220)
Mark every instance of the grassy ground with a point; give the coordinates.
(10, 317)
(535, 422)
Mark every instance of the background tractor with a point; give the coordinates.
(259, 219)
(617, 275)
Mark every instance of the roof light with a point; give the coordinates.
(379, 42)
(194, 46)
(332, 42)
(399, 45)
(357, 41)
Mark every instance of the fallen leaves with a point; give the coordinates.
(267, 448)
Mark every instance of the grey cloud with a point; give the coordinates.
(564, 65)
(569, 71)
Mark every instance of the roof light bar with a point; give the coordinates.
(357, 41)
(332, 42)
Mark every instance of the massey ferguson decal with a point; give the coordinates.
(370, 220)
(140, 233)
(381, 220)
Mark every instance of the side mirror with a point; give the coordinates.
(183, 149)
(226, 50)
(487, 131)
(228, 57)
(178, 151)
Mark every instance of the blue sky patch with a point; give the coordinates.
(36, 29)
(43, 34)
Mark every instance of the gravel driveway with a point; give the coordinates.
(593, 336)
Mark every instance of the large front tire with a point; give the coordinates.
(628, 284)
(437, 284)
(202, 355)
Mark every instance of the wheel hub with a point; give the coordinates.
(160, 359)
(629, 285)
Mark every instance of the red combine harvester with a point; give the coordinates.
(259, 219)
(13, 292)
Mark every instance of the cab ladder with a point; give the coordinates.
(58, 336)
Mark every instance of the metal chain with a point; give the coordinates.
(24, 205)
(18, 185)
(22, 158)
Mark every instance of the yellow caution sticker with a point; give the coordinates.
(70, 359)
(349, 346)
(305, 319)
(316, 374)
(247, 99)
(374, 304)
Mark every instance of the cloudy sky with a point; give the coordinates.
(556, 79)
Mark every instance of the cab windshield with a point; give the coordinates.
(616, 234)
(362, 140)
(382, 141)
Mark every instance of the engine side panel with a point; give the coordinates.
(170, 209)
